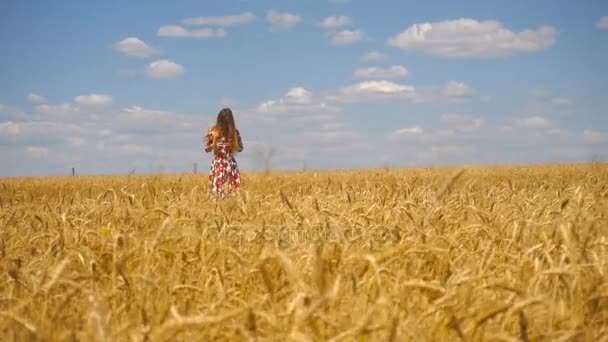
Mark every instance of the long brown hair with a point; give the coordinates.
(225, 127)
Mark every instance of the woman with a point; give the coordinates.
(225, 141)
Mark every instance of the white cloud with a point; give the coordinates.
(67, 109)
(455, 129)
(131, 136)
(544, 103)
(386, 90)
(295, 109)
(373, 57)
(555, 131)
(298, 96)
(595, 137)
(303, 126)
(454, 119)
(58, 109)
(561, 101)
(540, 92)
(227, 20)
(423, 145)
(93, 100)
(461, 122)
(296, 99)
(395, 71)
(121, 147)
(130, 149)
(380, 87)
(348, 147)
(281, 21)
(105, 132)
(164, 69)
(408, 132)
(457, 91)
(346, 37)
(471, 38)
(297, 117)
(602, 23)
(459, 131)
(36, 151)
(335, 21)
(12, 113)
(36, 99)
(330, 136)
(375, 90)
(9, 129)
(267, 106)
(559, 133)
(437, 135)
(134, 47)
(3, 108)
(176, 31)
(139, 115)
(332, 125)
(138, 120)
(38, 131)
(446, 153)
(574, 153)
(532, 122)
(505, 129)
(75, 142)
(100, 146)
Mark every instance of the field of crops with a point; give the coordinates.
(487, 253)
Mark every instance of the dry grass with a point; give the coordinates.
(500, 254)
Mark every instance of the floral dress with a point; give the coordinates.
(224, 176)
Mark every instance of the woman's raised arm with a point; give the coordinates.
(208, 140)
(238, 135)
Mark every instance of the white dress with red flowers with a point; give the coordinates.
(224, 176)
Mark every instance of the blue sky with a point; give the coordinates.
(112, 86)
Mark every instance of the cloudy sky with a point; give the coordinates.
(113, 86)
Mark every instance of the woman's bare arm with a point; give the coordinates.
(238, 134)
(208, 139)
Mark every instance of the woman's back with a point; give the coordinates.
(220, 144)
(225, 141)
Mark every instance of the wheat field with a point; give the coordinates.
(516, 253)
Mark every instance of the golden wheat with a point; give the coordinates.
(486, 253)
